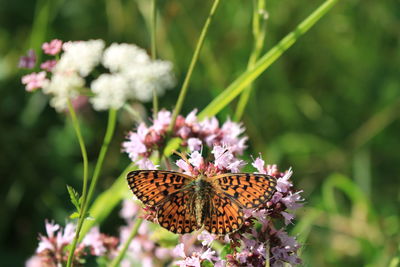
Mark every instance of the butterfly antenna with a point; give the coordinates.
(226, 150)
(201, 229)
(177, 153)
(183, 156)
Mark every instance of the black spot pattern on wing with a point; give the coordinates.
(225, 216)
(249, 190)
(175, 214)
(173, 196)
(153, 186)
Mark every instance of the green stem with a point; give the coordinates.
(123, 250)
(112, 115)
(241, 83)
(259, 26)
(135, 115)
(85, 169)
(107, 200)
(267, 256)
(193, 62)
(155, 104)
(112, 121)
(153, 29)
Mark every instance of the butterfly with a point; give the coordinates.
(184, 203)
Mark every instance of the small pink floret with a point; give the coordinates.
(183, 165)
(194, 144)
(179, 251)
(34, 81)
(259, 165)
(196, 159)
(52, 48)
(48, 65)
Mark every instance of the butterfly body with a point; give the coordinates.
(185, 204)
(202, 198)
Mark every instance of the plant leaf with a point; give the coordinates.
(207, 263)
(74, 215)
(225, 251)
(74, 196)
(172, 146)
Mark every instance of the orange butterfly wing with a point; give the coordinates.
(176, 215)
(225, 216)
(247, 189)
(152, 187)
(165, 191)
(173, 198)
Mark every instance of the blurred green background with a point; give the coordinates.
(328, 108)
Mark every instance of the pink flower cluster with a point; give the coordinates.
(214, 150)
(195, 258)
(224, 161)
(282, 247)
(53, 47)
(194, 253)
(143, 249)
(226, 141)
(28, 61)
(36, 80)
(285, 198)
(249, 246)
(52, 251)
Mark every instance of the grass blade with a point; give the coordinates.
(264, 62)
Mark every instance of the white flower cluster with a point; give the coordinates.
(63, 85)
(133, 75)
(110, 91)
(80, 56)
(77, 61)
